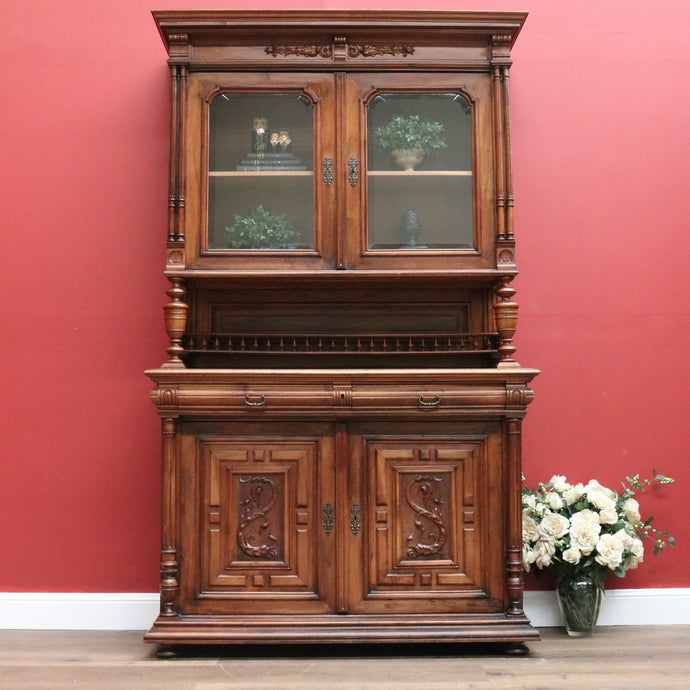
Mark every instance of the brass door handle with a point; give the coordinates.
(434, 402)
(261, 402)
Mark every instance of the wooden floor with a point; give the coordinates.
(615, 657)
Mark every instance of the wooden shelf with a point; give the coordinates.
(260, 173)
(419, 173)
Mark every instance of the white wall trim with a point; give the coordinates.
(88, 611)
(669, 606)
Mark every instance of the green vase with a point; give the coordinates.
(579, 597)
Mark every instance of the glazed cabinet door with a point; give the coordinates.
(423, 146)
(259, 156)
(429, 528)
(256, 503)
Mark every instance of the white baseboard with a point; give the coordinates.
(87, 611)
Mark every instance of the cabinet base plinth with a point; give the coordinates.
(494, 628)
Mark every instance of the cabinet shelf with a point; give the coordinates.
(261, 173)
(419, 173)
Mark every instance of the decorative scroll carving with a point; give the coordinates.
(261, 496)
(303, 51)
(328, 518)
(430, 534)
(339, 49)
(374, 51)
(518, 395)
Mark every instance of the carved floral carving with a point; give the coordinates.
(254, 535)
(331, 51)
(430, 532)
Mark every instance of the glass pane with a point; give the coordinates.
(261, 189)
(420, 171)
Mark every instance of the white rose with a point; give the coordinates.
(553, 526)
(608, 516)
(600, 499)
(584, 535)
(609, 551)
(625, 539)
(559, 483)
(530, 531)
(529, 501)
(553, 500)
(631, 510)
(636, 555)
(585, 515)
(528, 557)
(543, 554)
(593, 484)
(573, 494)
(572, 555)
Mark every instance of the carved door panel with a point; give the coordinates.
(253, 498)
(431, 509)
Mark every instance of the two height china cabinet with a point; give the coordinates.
(341, 407)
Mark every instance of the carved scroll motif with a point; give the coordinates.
(329, 52)
(430, 533)
(303, 51)
(253, 534)
(375, 51)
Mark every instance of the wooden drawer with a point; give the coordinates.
(423, 397)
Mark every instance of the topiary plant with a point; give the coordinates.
(404, 132)
(261, 229)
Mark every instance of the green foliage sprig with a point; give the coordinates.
(405, 132)
(261, 229)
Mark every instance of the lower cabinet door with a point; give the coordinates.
(255, 521)
(427, 518)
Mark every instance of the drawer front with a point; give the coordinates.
(425, 397)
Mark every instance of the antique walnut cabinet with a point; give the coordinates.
(341, 407)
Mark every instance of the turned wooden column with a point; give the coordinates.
(514, 571)
(169, 573)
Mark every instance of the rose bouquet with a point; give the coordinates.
(587, 529)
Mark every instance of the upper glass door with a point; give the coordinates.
(419, 175)
(260, 204)
(261, 190)
(422, 173)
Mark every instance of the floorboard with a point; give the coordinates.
(615, 657)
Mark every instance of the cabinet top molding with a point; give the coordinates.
(437, 28)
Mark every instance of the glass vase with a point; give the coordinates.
(579, 598)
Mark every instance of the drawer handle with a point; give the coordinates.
(261, 402)
(435, 402)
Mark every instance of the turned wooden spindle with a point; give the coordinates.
(175, 322)
(505, 314)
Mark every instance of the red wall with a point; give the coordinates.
(601, 143)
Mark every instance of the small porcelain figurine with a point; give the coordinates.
(260, 135)
(275, 142)
(284, 140)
